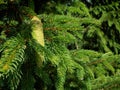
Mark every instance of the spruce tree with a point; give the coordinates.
(59, 45)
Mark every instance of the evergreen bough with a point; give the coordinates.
(79, 52)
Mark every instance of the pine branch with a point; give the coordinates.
(11, 59)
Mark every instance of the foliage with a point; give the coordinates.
(81, 50)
